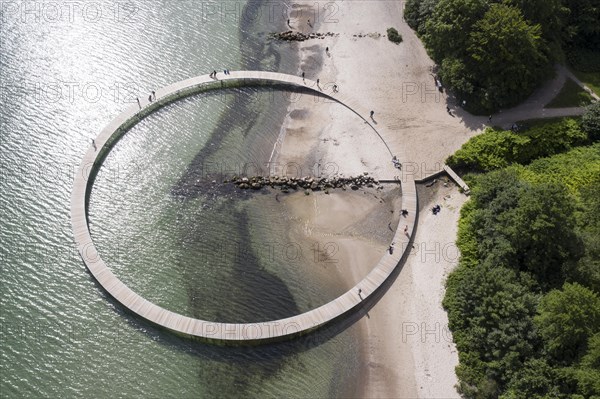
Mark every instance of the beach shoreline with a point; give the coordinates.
(410, 113)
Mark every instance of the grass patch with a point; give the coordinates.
(591, 79)
(571, 95)
(530, 123)
(394, 36)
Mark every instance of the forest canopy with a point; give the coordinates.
(494, 53)
(523, 304)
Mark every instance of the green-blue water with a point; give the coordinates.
(65, 74)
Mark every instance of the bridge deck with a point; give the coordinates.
(229, 332)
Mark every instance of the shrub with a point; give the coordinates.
(495, 149)
(394, 36)
(590, 121)
(552, 138)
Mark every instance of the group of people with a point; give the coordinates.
(396, 163)
(334, 87)
(289, 24)
(213, 74)
(151, 97)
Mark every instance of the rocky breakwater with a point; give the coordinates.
(308, 184)
(292, 36)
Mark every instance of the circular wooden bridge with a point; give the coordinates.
(212, 331)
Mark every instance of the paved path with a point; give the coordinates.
(226, 332)
(506, 120)
(533, 107)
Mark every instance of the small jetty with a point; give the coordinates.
(457, 179)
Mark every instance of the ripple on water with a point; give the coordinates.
(60, 335)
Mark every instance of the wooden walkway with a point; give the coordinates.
(224, 332)
(457, 179)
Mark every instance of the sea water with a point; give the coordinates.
(66, 70)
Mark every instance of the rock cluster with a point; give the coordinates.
(292, 36)
(308, 184)
(371, 35)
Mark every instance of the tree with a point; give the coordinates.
(587, 270)
(592, 357)
(567, 319)
(418, 12)
(551, 15)
(590, 121)
(583, 28)
(537, 380)
(516, 224)
(411, 13)
(544, 212)
(507, 56)
(491, 315)
(585, 377)
(448, 29)
(456, 74)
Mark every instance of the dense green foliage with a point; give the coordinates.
(567, 320)
(495, 149)
(506, 56)
(523, 304)
(494, 53)
(584, 60)
(581, 24)
(417, 13)
(590, 121)
(394, 36)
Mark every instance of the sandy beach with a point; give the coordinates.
(407, 349)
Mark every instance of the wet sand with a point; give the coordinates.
(406, 348)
